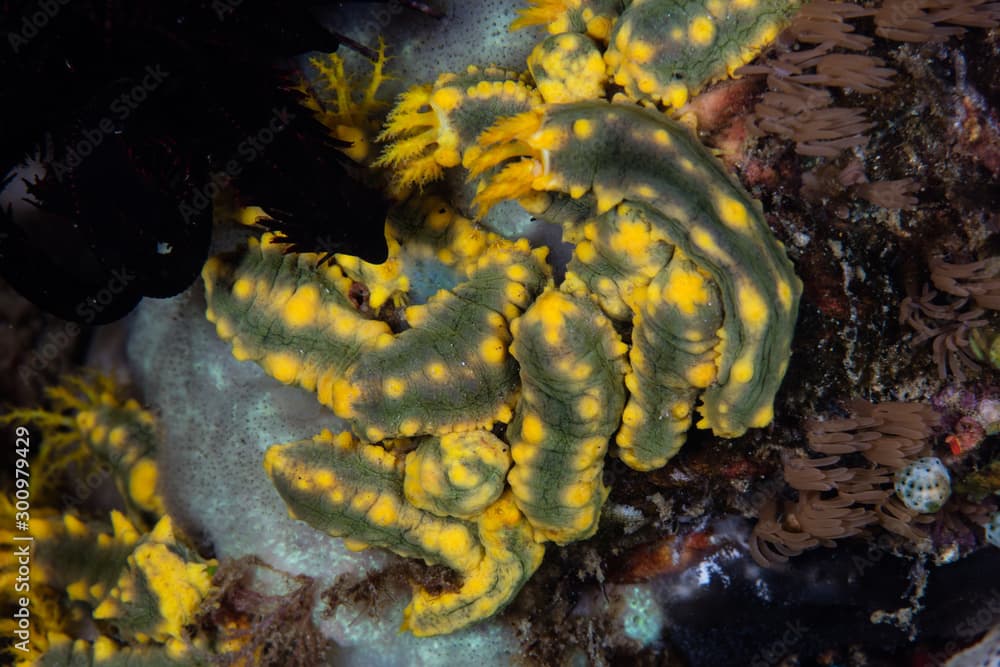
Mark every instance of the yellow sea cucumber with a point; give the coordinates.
(572, 393)
(670, 254)
(642, 164)
(354, 490)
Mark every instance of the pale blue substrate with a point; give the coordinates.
(471, 33)
(217, 417)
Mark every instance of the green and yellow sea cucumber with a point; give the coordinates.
(637, 163)
(670, 254)
(665, 51)
(347, 488)
(572, 393)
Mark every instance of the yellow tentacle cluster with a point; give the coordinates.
(92, 416)
(432, 125)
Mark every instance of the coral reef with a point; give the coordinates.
(993, 529)
(646, 554)
(673, 250)
(957, 327)
(816, 67)
(838, 498)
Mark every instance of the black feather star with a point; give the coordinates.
(137, 113)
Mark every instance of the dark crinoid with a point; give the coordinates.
(135, 114)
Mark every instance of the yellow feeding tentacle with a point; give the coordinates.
(339, 106)
(508, 145)
(433, 126)
(592, 17)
